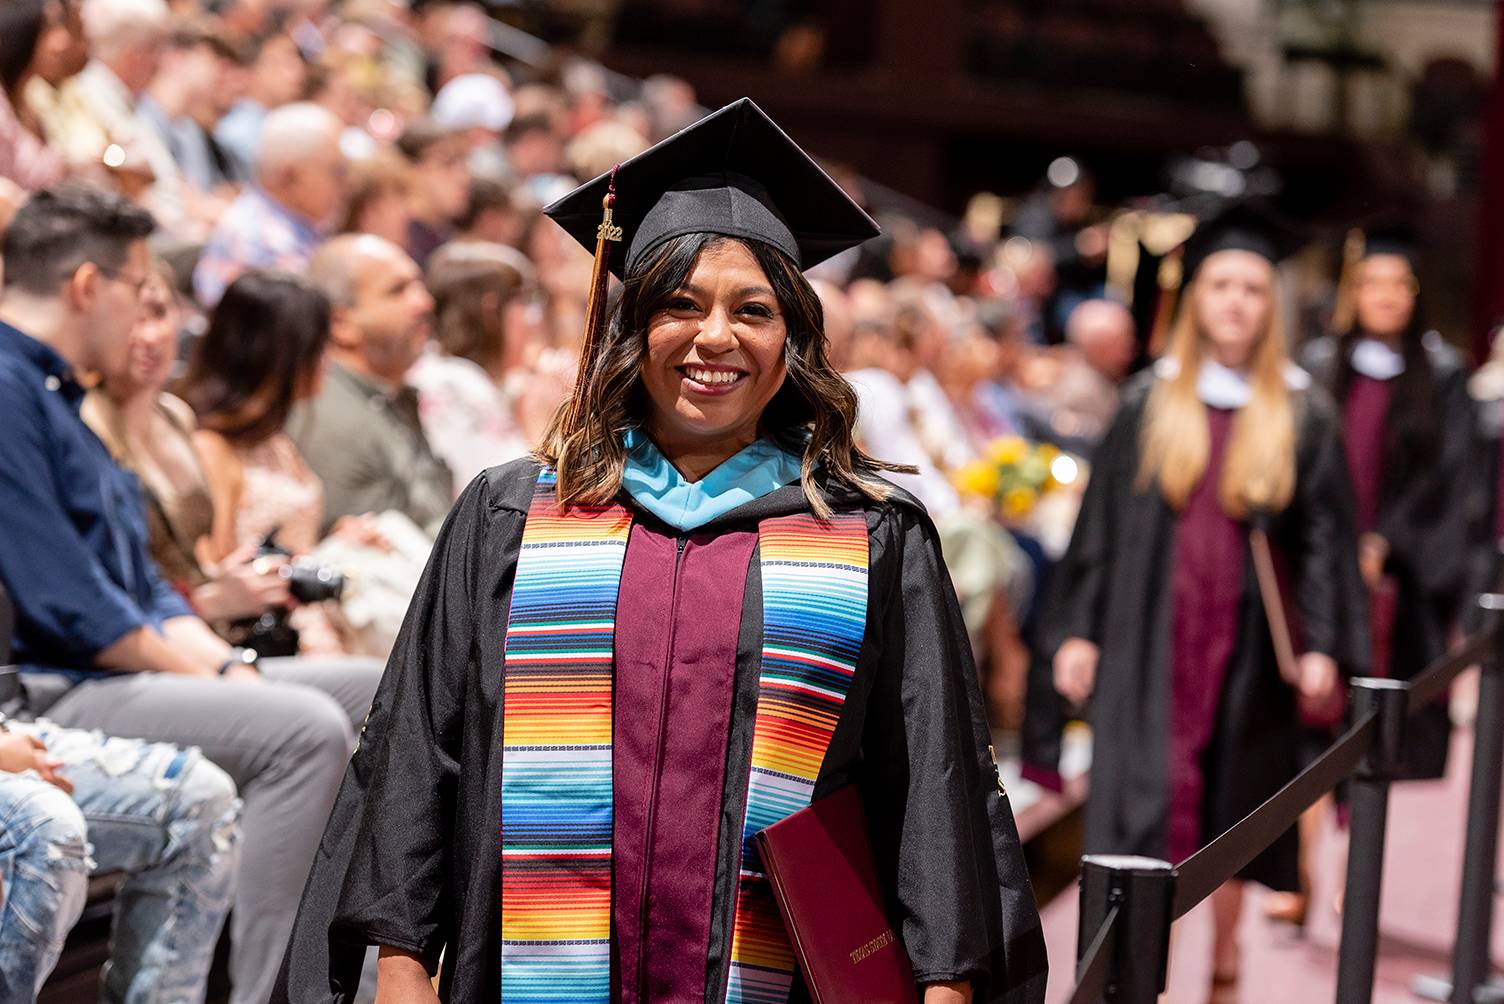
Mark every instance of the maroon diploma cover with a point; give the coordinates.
(821, 867)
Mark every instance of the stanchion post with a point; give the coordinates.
(1370, 817)
(1143, 890)
(1470, 961)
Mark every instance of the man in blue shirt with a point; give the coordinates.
(103, 641)
(73, 800)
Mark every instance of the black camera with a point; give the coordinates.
(307, 581)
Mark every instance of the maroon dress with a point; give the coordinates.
(676, 681)
(1364, 413)
(1206, 581)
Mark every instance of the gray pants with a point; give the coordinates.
(285, 742)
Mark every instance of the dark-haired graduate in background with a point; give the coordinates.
(1407, 425)
(1407, 432)
(714, 611)
(1155, 613)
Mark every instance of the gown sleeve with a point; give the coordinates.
(1480, 504)
(1078, 584)
(381, 873)
(940, 818)
(1076, 596)
(1427, 529)
(1332, 600)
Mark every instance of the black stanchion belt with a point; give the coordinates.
(1091, 973)
(1201, 873)
(1435, 678)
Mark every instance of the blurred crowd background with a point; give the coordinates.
(392, 158)
(355, 304)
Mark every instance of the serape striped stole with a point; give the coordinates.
(556, 823)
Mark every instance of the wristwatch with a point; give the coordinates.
(247, 657)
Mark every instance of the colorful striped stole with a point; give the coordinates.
(814, 610)
(556, 823)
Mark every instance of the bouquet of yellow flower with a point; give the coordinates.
(1014, 474)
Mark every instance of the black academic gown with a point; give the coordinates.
(410, 855)
(1424, 518)
(1113, 587)
(1484, 499)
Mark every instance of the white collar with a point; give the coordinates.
(1376, 360)
(1223, 387)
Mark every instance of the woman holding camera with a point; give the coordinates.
(150, 432)
(264, 352)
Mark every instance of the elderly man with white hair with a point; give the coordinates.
(276, 222)
(126, 40)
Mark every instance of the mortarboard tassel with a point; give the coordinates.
(595, 311)
(1171, 277)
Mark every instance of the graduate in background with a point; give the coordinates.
(1485, 495)
(712, 613)
(1155, 613)
(1407, 428)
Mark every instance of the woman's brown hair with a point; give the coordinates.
(264, 344)
(471, 283)
(371, 180)
(813, 415)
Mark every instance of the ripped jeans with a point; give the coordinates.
(165, 817)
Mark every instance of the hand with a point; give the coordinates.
(360, 530)
(242, 674)
(1317, 685)
(1373, 553)
(12, 196)
(402, 979)
(244, 586)
(949, 992)
(20, 752)
(1076, 670)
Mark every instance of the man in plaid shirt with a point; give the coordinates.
(275, 223)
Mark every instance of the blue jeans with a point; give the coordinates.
(165, 817)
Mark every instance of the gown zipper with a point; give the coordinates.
(647, 849)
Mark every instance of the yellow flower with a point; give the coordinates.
(978, 478)
(1018, 502)
(1008, 450)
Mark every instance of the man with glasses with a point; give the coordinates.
(102, 640)
(73, 800)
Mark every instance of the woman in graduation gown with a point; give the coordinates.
(1407, 425)
(706, 610)
(1156, 613)
(1485, 495)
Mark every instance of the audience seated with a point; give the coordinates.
(275, 78)
(486, 316)
(439, 187)
(150, 433)
(263, 353)
(361, 432)
(275, 223)
(103, 640)
(73, 803)
(25, 160)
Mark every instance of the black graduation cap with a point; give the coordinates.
(1249, 225)
(1385, 233)
(734, 172)
(1381, 233)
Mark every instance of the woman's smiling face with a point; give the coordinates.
(714, 353)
